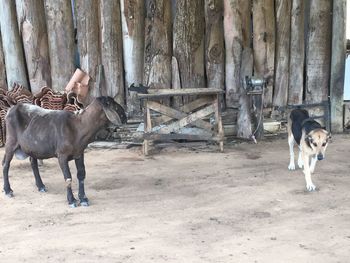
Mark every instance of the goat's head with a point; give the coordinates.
(114, 111)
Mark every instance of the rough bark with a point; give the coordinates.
(12, 45)
(3, 84)
(214, 44)
(188, 43)
(283, 9)
(237, 36)
(338, 64)
(132, 12)
(112, 50)
(318, 51)
(61, 41)
(237, 27)
(32, 27)
(270, 49)
(244, 120)
(264, 44)
(88, 42)
(175, 82)
(297, 53)
(158, 44)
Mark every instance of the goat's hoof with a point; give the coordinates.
(84, 202)
(42, 189)
(73, 205)
(9, 194)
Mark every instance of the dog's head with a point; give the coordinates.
(318, 141)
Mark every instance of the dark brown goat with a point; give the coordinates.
(41, 134)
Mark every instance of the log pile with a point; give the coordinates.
(46, 98)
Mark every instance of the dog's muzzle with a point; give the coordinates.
(320, 157)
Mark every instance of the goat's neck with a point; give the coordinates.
(91, 121)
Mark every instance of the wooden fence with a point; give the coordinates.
(299, 46)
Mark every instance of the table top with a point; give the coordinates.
(158, 93)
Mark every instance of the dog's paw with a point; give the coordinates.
(291, 166)
(311, 187)
(300, 164)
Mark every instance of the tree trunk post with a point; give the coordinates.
(12, 45)
(214, 44)
(283, 9)
(338, 65)
(188, 43)
(112, 50)
(60, 29)
(297, 53)
(88, 42)
(133, 26)
(158, 44)
(32, 27)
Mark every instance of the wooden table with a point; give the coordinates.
(170, 120)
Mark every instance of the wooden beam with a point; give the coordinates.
(338, 65)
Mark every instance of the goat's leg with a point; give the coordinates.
(63, 162)
(84, 201)
(38, 181)
(5, 168)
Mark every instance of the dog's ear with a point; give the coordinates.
(309, 139)
(329, 136)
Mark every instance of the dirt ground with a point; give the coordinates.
(183, 205)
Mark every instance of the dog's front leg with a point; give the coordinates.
(313, 164)
(291, 165)
(300, 159)
(309, 185)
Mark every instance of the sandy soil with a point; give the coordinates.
(183, 205)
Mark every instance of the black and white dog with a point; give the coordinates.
(312, 139)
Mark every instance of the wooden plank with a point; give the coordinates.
(283, 9)
(176, 136)
(338, 65)
(220, 130)
(297, 51)
(176, 114)
(185, 108)
(112, 50)
(176, 126)
(32, 26)
(12, 45)
(158, 93)
(318, 54)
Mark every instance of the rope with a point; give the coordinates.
(260, 117)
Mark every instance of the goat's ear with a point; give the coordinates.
(112, 115)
